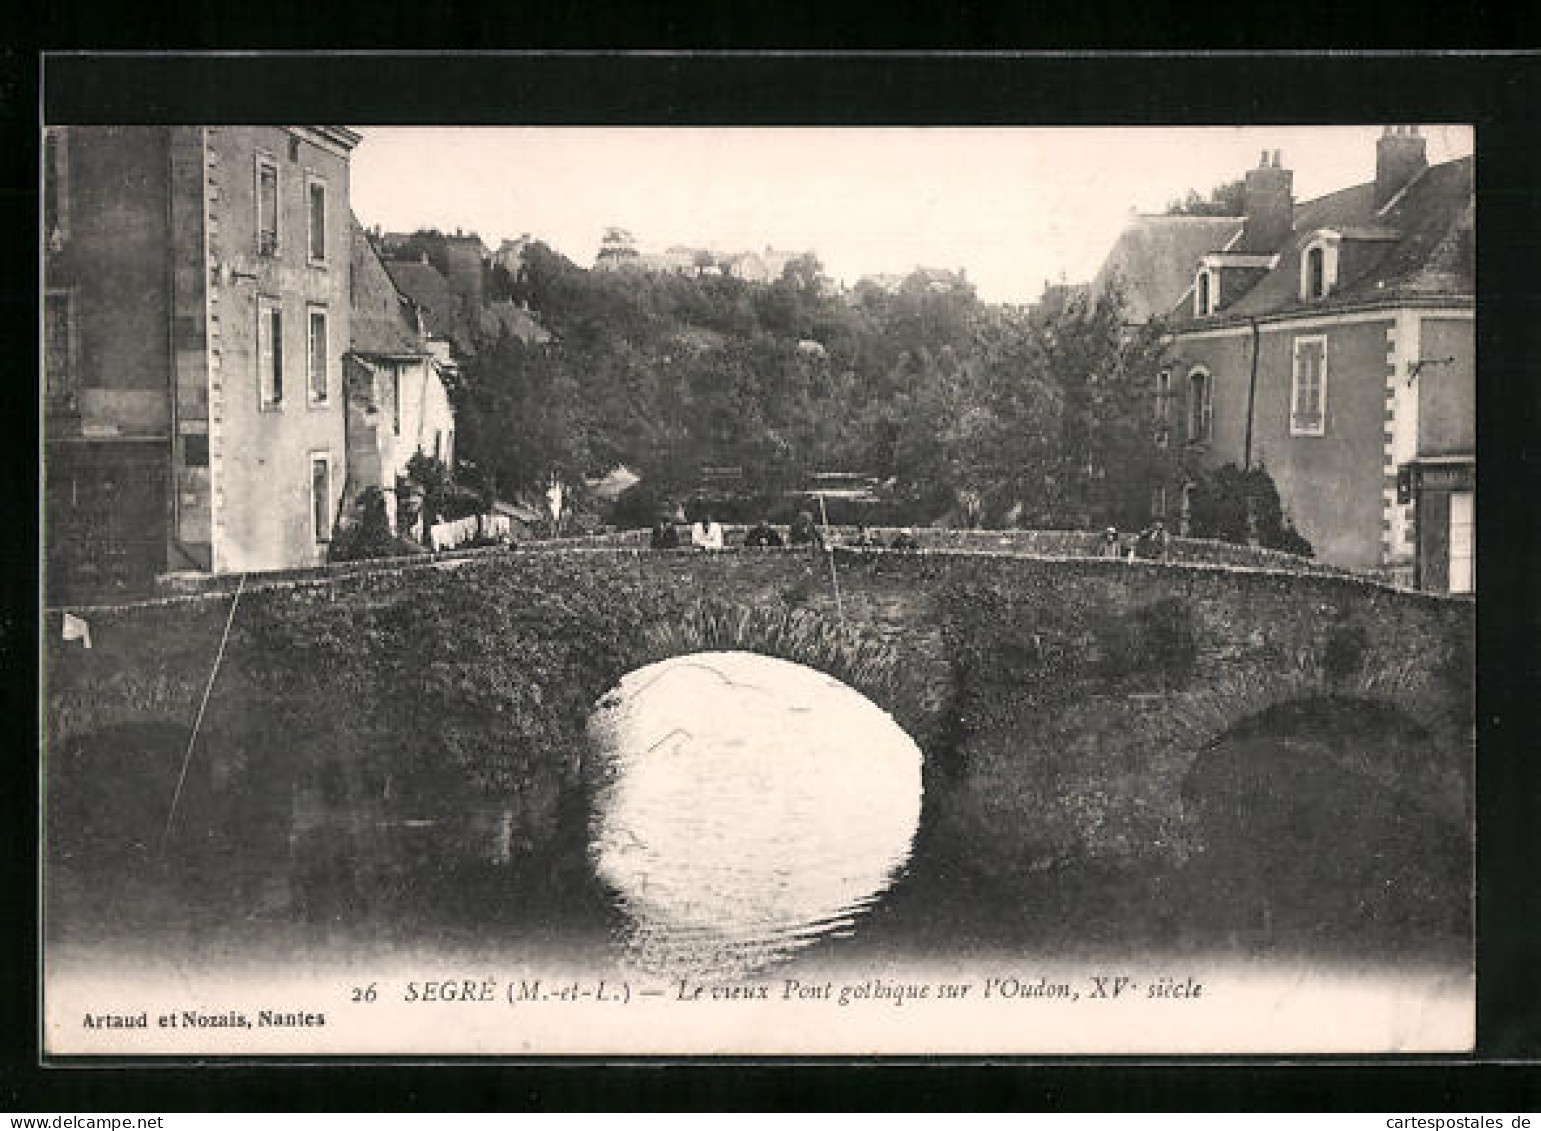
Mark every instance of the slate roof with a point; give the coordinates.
(505, 317)
(1156, 257)
(1429, 255)
(379, 323)
(440, 306)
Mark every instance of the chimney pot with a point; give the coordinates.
(1399, 157)
(1269, 205)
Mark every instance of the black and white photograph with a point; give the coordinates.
(696, 590)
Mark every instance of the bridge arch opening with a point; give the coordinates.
(1324, 821)
(744, 807)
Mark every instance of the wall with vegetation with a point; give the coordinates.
(1061, 704)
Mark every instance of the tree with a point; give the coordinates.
(1228, 199)
(1105, 370)
(524, 420)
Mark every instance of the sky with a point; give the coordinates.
(1014, 208)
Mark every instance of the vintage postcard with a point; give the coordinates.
(735, 592)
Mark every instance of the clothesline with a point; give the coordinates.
(449, 535)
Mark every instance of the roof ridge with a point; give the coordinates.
(1425, 171)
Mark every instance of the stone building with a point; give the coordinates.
(1332, 342)
(397, 406)
(196, 313)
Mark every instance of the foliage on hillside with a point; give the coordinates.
(984, 412)
(1224, 200)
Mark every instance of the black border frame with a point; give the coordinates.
(1496, 91)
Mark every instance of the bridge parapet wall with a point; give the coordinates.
(1059, 701)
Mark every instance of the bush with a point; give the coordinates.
(638, 507)
(1243, 507)
(370, 536)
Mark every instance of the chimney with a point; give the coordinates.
(1400, 155)
(1269, 202)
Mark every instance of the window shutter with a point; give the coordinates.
(270, 353)
(318, 352)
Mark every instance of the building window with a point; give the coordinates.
(1158, 501)
(59, 344)
(1163, 396)
(321, 496)
(270, 351)
(56, 219)
(315, 212)
(316, 354)
(1201, 295)
(395, 402)
(267, 205)
(195, 449)
(1463, 546)
(1319, 267)
(1308, 404)
(1200, 406)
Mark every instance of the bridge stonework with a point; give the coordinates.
(1059, 702)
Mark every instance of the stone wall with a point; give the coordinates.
(1060, 703)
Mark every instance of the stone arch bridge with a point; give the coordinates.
(1074, 693)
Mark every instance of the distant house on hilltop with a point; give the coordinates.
(510, 254)
(746, 265)
(1056, 299)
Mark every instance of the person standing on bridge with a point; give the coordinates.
(664, 536)
(762, 535)
(804, 532)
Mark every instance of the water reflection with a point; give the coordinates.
(747, 807)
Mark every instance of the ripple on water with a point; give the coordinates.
(749, 807)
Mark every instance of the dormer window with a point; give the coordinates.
(1319, 267)
(1204, 294)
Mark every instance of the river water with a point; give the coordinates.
(748, 822)
(747, 807)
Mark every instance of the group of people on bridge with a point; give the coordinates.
(1148, 543)
(707, 534)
